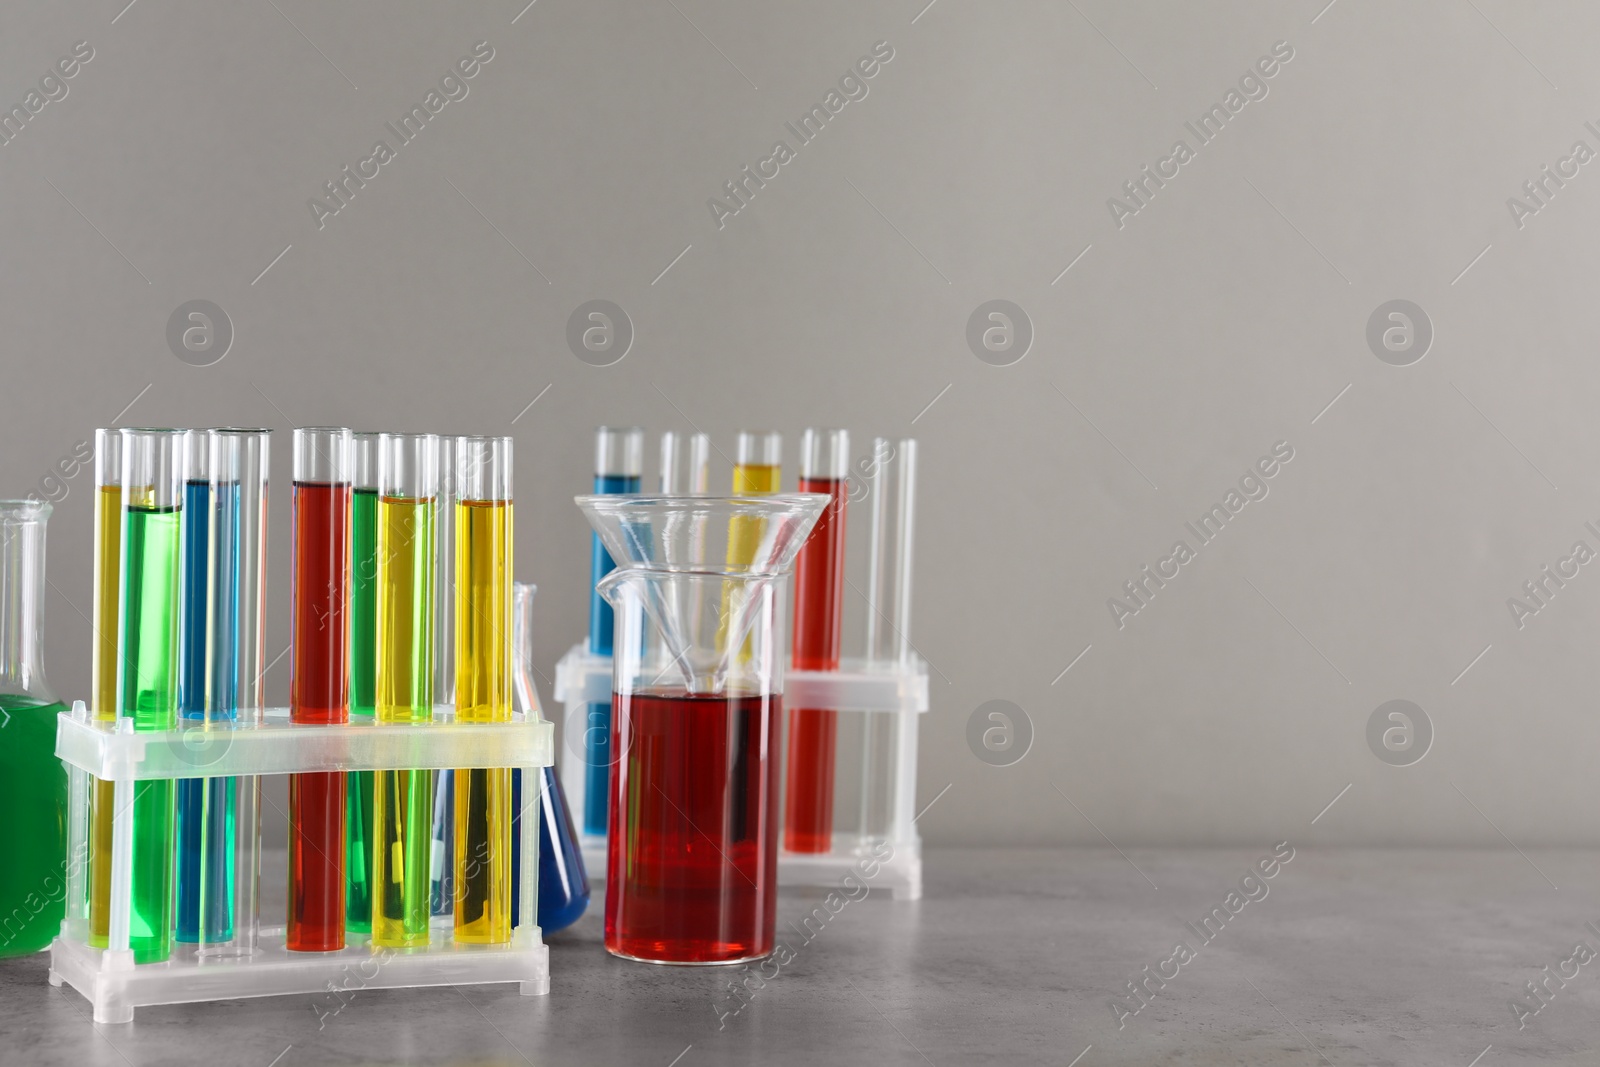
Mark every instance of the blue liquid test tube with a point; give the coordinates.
(194, 629)
(209, 680)
(619, 466)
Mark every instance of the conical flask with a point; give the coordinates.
(563, 882)
(697, 684)
(33, 784)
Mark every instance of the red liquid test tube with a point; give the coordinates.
(319, 687)
(819, 585)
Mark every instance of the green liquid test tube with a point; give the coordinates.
(402, 823)
(147, 672)
(363, 679)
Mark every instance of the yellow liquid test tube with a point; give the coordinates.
(756, 470)
(757, 467)
(402, 817)
(483, 686)
(103, 669)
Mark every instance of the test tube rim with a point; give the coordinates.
(832, 447)
(699, 463)
(668, 456)
(627, 442)
(41, 509)
(495, 491)
(767, 445)
(426, 475)
(364, 480)
(340, 467)
(197, 457)
(171, 480)
(108, 469)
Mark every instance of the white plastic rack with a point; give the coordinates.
(883, 692)
(114, 752)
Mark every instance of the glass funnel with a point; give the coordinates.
(697, 684)
(33, 785)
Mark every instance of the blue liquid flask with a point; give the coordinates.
(563, 883)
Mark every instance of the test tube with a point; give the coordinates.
(103, 668)
(402, 820)
(698, 484)
(757, 470)
(319, 685)
(700, 464)
(877, 490)
(147, 670)
(216, 816)
(441, 893)
(905, 524)
(685, 470)
(483, 844)
(757, 467)
(670, 478)
(241, 462)
(905, 786)
(194, 634)
(757, 464)
(819, 591)
(877, 728)
(618, 468)
(363, 677)
(445, 532)
(685, 464)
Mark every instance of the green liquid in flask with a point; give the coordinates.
(33, 794)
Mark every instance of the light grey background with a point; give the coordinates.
(1220, 320)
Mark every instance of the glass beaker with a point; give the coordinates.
(697, 686)
(33, 784)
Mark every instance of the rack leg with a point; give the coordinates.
(911, 887)
(111, 1007)
(539, 986)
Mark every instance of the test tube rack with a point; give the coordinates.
(888, 688)
(115, 752)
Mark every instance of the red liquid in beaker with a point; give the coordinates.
(692, 868)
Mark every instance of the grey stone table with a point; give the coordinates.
(1378, 956)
